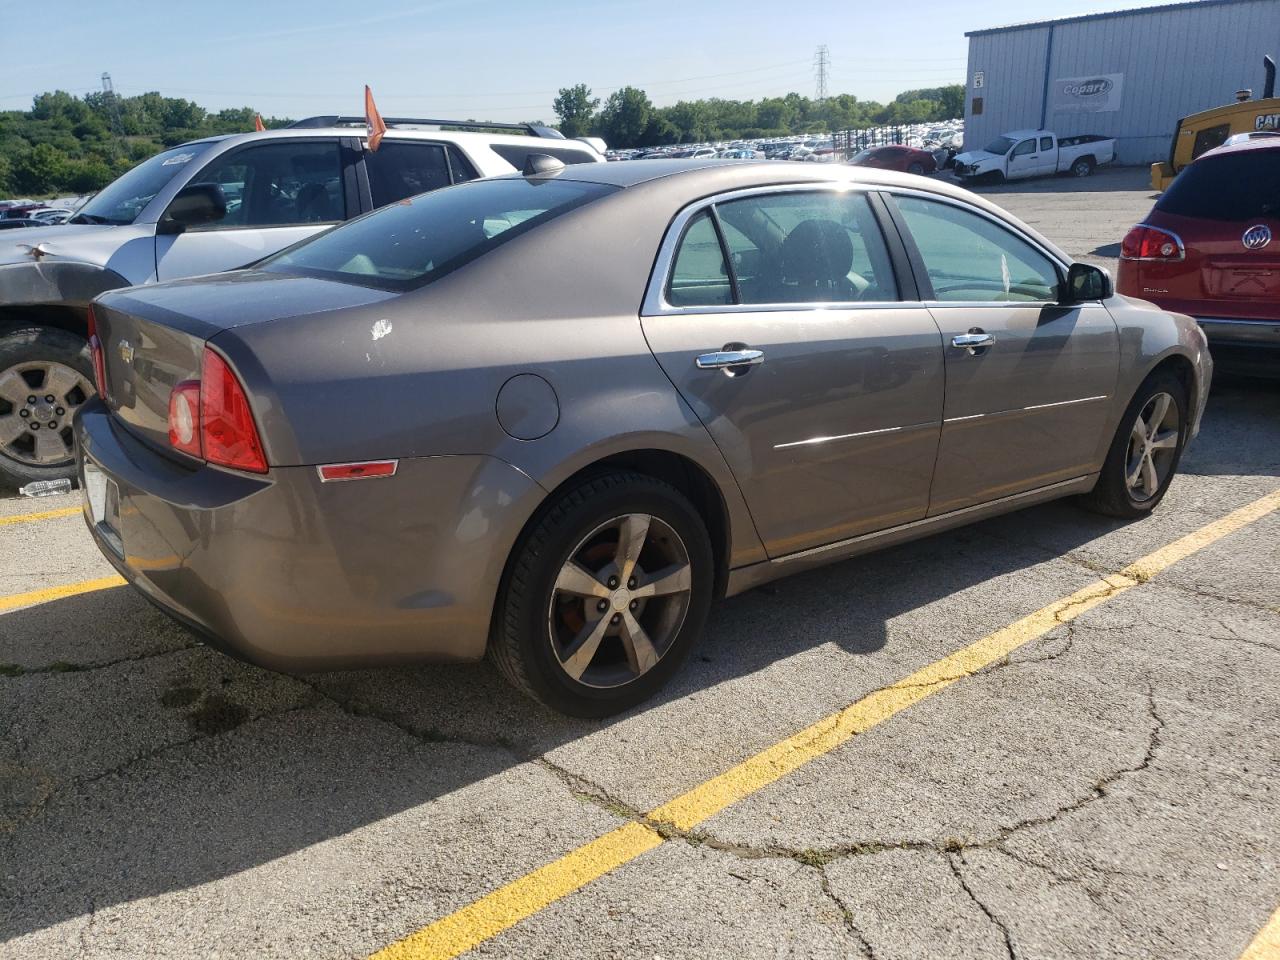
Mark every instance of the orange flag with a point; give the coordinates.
(257, 122)
(373, 120)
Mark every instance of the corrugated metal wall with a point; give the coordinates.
(1174, 61)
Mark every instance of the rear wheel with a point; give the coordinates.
(604, 596)
(46, 374)
(1083, 167)
(1145, 452)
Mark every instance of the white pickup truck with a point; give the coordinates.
(1035, 153)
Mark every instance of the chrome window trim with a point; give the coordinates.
(655, 298)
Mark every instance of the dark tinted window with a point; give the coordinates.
(823, 246)
(700, 276)
(1231, 187)
(1046, 143)
(1209, 138)
(399, 169)
(515, 154)
(461, 166)
(123, 199)
(416, 241)
(278, 184)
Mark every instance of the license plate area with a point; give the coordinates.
(1237, 281)
(103, 496)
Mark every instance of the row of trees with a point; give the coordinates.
(628, 117)
(75, 144)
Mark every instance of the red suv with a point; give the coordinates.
(1207, 249)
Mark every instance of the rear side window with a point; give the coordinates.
(1231, 187)
(516, 154)
(415, 241)
(1046, 143)
(700, 276)
(399, 169)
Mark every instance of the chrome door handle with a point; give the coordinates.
(973, 342)
(722, 359)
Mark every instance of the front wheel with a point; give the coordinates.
(1146, 450)
(46, 374)
(604, 596)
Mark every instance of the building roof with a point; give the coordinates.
(1131, 12)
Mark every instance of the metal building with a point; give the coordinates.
(1129, 74)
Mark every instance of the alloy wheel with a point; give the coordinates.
(1153, 447)
(37, 401)
(619, 600)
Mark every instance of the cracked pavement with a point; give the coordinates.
(1107, 790)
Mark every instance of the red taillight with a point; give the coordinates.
(229, 435)
(184, 418)
(1151, 243)
(210, 418)
(99, 362)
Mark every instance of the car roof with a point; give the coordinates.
(1261, 143)
(462, 137)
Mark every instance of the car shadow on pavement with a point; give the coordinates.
(137, 764)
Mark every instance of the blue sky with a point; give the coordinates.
(495, 60)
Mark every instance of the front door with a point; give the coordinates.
(781, 326)
(277, 193)
(1024, 161)
(1029, 381)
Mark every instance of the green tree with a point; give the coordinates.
(625, 118)
(575, 107)
(40, 170)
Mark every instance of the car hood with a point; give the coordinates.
(976, 156)
(204, 306)
(81, 242)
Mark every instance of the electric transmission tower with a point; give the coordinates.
(821, 70)
(113, 108)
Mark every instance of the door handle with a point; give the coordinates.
(726, 359)
(975, 341)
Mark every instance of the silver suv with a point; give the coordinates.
(204, 207)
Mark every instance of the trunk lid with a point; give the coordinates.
(153, 337)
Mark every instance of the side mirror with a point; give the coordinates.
(1086, 283)
(196, 204)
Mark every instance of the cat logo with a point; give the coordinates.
(1267, 121)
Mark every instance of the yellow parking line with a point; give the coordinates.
(33, 597)
(42, 515)
(485, 918)
(1266, 945)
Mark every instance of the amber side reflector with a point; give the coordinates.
(329, 472)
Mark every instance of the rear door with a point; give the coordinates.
(1026, 406)
(779, 316)
(277, 193)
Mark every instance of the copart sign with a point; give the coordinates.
(1099, 93)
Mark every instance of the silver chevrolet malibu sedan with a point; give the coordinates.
(550, 417)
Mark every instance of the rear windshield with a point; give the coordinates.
(120, 201)
(413, 242)
(1231, 187)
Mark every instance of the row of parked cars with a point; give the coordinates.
(15, 215)
(526, 416)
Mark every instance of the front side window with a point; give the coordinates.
(969, 258)
(415, 241)
(399, 169)
(279, 184)
(819, 247)
(120, 201)
(1025, 148)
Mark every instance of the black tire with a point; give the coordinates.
(25, 344)
(1083, 167)
(916, 167)
(521, 643)
(1111, 495)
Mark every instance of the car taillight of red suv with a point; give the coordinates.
(1209, 247)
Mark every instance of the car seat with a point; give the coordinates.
(816, 257)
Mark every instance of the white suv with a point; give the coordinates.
(204, 207)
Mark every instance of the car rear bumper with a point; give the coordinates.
(290, 573)
(1263, 333)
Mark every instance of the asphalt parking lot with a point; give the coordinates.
(1049, 735)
